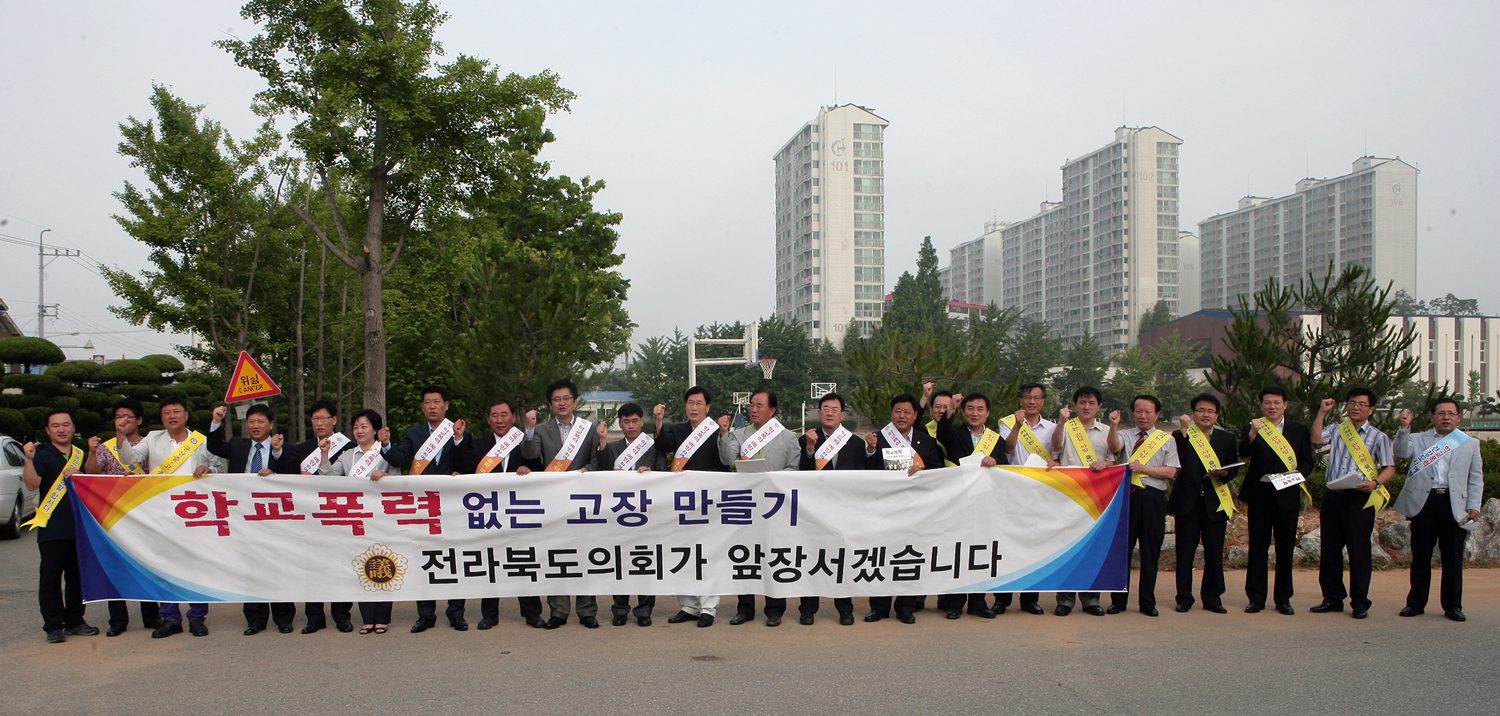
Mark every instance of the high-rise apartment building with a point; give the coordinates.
(830, 223)
(973, 271)
(1367, 217)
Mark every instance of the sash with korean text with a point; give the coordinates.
(895, 439)
(633, 452)
(45, 508)
(432, 446)
(831, 446)
(503, 445)
(1148, 449)
(695, 440)
(1081, 443)
(336, 442)
(114, 449)
(175, 461)
(764, 435)
(572, 443)
(1028, 438)
(1360, 453)
(1210, 460)
(367, 463)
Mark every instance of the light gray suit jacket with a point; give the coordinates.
(780, 453)
(546, 440)
(1465, 474)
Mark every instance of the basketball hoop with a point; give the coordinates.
(767, 367)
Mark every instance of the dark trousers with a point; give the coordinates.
(808, 606)
(904, 605)
(375, 612)
(975, 601)
(172, 612)
(282, 613)
(1268, 521)
(1071, 599)
(775, 606)
(489, 608)
(1194, 527)
(1346, 524)
(1002, 600)
(59, 593)
(427, 610)
(1148, 527)
(1435, 525)
(315, 617)
(643, 606)
(119, 614)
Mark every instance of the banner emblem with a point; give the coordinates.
(380, 569)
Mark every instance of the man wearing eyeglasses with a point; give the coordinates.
(566, 442)
(1361, 457)
(1441, 497)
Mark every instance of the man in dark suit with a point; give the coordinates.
(482, 457)
(958, 440)
(633, 452)
(304, 458)
(440, 457)
(254, 455)
(830, 446)
(1196, 504)
(564, 443)
(1272, 512)
(925, 454)
(692, 445)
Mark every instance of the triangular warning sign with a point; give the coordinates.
(249, 381)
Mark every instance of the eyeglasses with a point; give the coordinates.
(563, 399)
(1356, 404)
(1446, 413)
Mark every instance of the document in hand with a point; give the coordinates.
(1347, 482)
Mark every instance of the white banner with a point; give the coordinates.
(234, 538)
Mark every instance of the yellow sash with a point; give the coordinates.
(59, 490)
(1146, 451)
(932, 433)
(132, 469)
(1028, 438)
(1365, 462)
(1283, 449)
(179, 456)
(1210, 460)
(987, 442)
(1081, 443)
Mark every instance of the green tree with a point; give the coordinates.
(29, 351)
(1084, 363)
(376, 117)
(1452, 305)
(891, 362)
(1159, 315)
(917, 303)
(1174, 361)
(658, 372)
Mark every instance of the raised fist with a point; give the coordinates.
(1328, 404)
(1020, 418)
(926, 389)
(958, 399)
(812, 439)
(723, 423)
(602, 430)
(1183, 421)
(220, 412)
(384, 436)
(659, 412)
(94, 443)
(1064, 414)
(277, 441)
(530, 419)
(459, 426)
(1404, 418)
(1256, 425)
(871, 442)
(1114, 418)
(324, 445)
(29, 449)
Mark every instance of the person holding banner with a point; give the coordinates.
(1085, 442)
(1152, 456)
(498, 452)
(565, 443)
(306, 458)
(775, 448)
(1360, 463)
(830, 446)
(1201, 500)
(174, 450)
(1441, 497)
(637, 452)
(104, 459)
(1273, 446)
(965, 442)
(364, 460)
(253, 455)
(691, 445)
(46, 469)
(431, 448)
(897, 446)
(1031, 443)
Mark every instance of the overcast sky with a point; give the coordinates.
(681, 106)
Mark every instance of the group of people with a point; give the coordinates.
(1186, 471)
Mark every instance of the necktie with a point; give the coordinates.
(256, 463)
(1139, 441)
(1135, 479)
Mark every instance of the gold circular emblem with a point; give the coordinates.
(380, 569)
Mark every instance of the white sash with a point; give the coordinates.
(440, 436)
(699, 436)
(1439, 450)
(893, 437)
(336, 442)
(633, 452)
(571, 443)
(366, 463)
(764, 435)
(831, 446)
(504, 444)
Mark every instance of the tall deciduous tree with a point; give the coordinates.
(377, 117)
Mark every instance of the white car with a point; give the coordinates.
(17, 503)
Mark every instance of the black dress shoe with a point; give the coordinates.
(1361, 613)
(1062, 610)
(115, 631)
(846, 620)
(83, 630)
(953, 614)
(998, 610)
(807, 619)
(1410, 612)
(165, 630)
(1150, 611)
(285, 628)
(1181, 608)
(618, 620)
(1286, 609)
(555, 622)
(740, 618)
(196, 627)
(983, 613)
(343, 626)
(486, 625)
(458, 624)
(1455, 614)
(150, 623)
(1094, 609)
(681, 617)
(1325, 607)
(773, 621)
(705, 620)
(875, 616)
(907, 618)
(536, 623)
(251, 631)
(1114, 609)
(1216, 608)
(311, 629)
(422, 625)
(1253, 608)
(56, 637)
(589, 622)
(643, 621)
(1033, 609)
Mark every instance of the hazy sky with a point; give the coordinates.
(681, 106)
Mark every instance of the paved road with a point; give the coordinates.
(1196, 663)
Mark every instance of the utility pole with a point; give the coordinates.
(42, 253)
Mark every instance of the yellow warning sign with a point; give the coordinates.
(249, 381)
